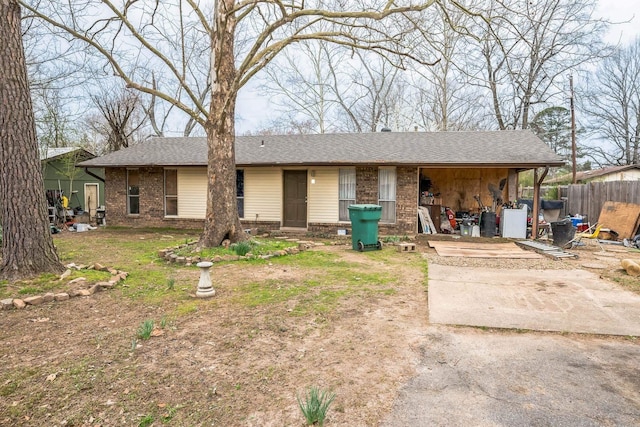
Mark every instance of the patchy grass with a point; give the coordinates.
(256, 246)
(49, 283)
(273, 327)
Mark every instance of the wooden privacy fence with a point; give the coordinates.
(588, 199)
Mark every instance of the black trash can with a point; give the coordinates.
(563, 232)
(488, 224)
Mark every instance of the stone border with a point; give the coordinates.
(85, 289)
(169, 255)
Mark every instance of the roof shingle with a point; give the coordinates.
(515, 148)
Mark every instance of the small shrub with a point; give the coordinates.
(171, 283)
(241, 248)
(391, 239)
(315, 405)
(146, 421)
(145, 329)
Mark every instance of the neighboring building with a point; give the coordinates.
(308, 181)
(83, 187)
(611, 173)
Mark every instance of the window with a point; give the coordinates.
(387, 194)
(240, 192)
(133, 192)
(170, 192)
(346, 192)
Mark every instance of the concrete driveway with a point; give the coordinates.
(541, 300)
(470, 377)
(505, 377)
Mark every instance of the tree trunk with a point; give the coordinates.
(221, 220)
(27, 246)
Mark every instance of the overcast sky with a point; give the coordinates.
(621, 11)
(253, 108)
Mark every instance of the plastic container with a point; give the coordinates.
(563, 231)
(364, 226)
(488, 224)
(465, 230)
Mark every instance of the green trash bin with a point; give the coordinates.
(364, 226)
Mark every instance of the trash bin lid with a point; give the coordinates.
(365, 207)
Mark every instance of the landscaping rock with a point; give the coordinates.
(62, 296)
(34, 300)
(95, 288)
(106, 285)
(18, 303)
(66, 274)
(74, 293)
(181, 260)
(173, 257)
(99, 267)
(163, 252)
(48, 297)
(77, 280)
(6, 304)
(112, 271)
(303, 246)
(83, 292)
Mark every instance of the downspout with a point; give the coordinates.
(536, 200)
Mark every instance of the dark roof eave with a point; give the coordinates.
(317, 164)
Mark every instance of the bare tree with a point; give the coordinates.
(526, 48)
(612, 102)
(54, 122)
(301, 85)
(120, 118)
(376, 94)
(259, 29)
(445, 97)
(27, 246)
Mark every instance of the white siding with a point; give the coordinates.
(192, 193)
(322, 197)
(629, 175)
(263, 194)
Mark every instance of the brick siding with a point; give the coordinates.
(152, 202)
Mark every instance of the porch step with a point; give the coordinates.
(551, 251)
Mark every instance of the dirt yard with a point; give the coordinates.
(238, 359)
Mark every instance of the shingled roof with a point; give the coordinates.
(516, 149)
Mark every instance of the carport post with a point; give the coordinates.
(536, 200)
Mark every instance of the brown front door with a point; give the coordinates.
(295, 199)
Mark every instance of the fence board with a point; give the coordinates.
(588, 199)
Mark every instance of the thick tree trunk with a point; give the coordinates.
(221, 221)
(27, 246)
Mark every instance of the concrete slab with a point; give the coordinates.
(544, 300)
(477, 378)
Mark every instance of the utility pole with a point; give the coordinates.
(573, 132)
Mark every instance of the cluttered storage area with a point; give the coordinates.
(471, 202)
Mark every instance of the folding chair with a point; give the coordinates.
(590, 233)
